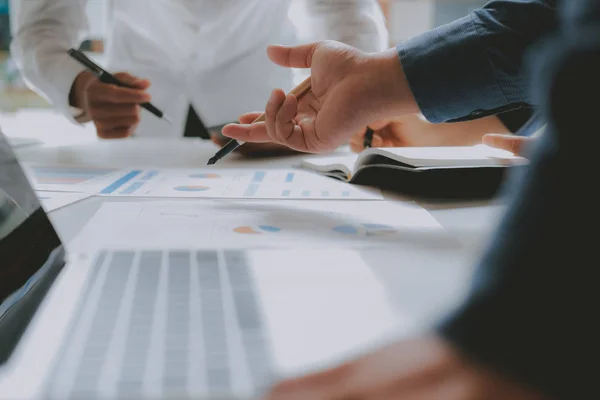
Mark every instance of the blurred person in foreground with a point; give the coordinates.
(526, 329)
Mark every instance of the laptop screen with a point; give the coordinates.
(31, 254)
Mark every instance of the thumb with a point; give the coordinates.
(378, 125)
(512, 143)
(132, 81)
(292, 56)
(249, 118)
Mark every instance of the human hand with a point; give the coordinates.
(114, 110)
(424, 368)
(514, 144)
(255, 149)
(414, 130)
(349, 89)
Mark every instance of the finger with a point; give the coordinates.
(132, 81)
(378, 125)
(264, 150)
(512, 143)
(292, 56)
(328, 384)
(119, 122)
(119, 95)
(113, 133)
(377, 140)
(275, 102)
(109, 110)
(248, 118)
(356, 143)
(388, 143)
(248, 133)
(219, 140)
(284, 120)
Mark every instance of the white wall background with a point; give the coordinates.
(409, 18)
(97, 16)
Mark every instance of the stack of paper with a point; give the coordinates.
(195, 183)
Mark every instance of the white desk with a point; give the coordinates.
(424, 278)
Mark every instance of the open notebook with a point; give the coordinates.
(438, 171)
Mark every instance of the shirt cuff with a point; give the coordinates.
(66, 72)
(451, 76)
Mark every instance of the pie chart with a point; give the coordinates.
(205, 176)
(365, 229)
(257, 230)
(191, 188)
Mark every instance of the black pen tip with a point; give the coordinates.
(212, 161)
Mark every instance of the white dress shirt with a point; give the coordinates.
(207, 53)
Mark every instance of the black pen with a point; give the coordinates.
(106, 77)
(368, 140)
(233, 144)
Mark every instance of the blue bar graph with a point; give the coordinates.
(325, 193)
(306, 193)
(120, 182)
(251, 190)
(286, 193)
(133, 188)
(346, 193)
(149, 175)
(290, 177)
(259, 176)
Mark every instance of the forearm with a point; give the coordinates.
(468, 133)
(472, 67)
(385, 92)
(43, 32)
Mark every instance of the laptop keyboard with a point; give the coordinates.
(173, 323)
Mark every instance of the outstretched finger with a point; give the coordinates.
(132, 81)
(292, 56)
(274, 104)
(512, 143)
(107, 93)
(284, 120)
(249, 118)
(256, 132)
(357, 142)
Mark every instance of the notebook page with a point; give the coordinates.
(479, 155)
(328, 164)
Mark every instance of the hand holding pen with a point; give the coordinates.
(298, 92)
(112, 102)
(349, 90)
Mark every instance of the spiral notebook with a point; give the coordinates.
(469, 171)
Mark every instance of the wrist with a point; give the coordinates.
(389, 86)
(76, 95)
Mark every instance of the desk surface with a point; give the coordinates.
(435, 277)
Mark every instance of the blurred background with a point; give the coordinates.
(405, 18)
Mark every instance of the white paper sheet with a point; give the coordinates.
(233, 184)
(66, 178)
(54, 200)
(251, 224)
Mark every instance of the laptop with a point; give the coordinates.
(126, 323)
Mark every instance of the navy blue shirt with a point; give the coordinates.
(473, 67)
(532, 309)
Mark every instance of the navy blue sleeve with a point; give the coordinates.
(531, 314)
(472, 67)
